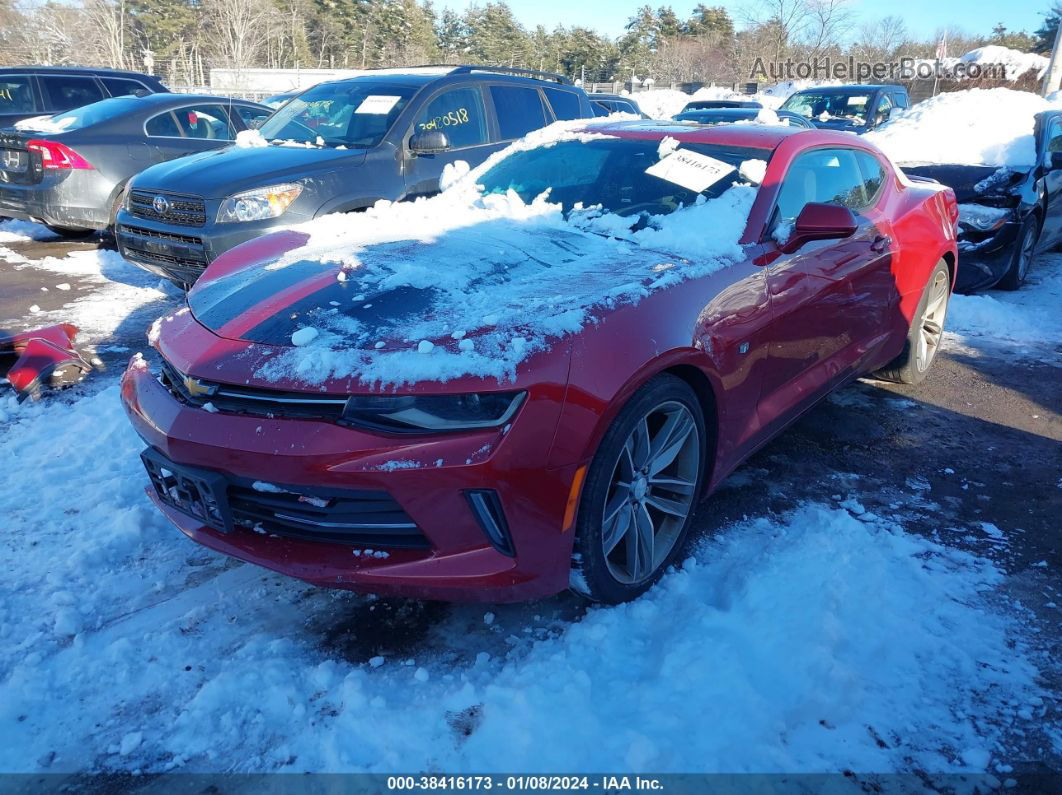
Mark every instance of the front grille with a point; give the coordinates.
(157, 235)
(247, 400)
(137, 254)
(181, 210)
(230, 504)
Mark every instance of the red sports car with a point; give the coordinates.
(525, 383)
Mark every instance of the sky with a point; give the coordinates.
(922, 18)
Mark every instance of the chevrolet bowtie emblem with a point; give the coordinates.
(197, 388)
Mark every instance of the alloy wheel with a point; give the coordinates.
(651, 492)
(1028, 250)
(931, 329)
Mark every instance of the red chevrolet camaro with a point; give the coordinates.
(526, 382)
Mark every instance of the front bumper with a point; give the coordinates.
(984, 262)
(76, 200)
(426, 477)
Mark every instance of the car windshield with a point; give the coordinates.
(825, 106)
(612, 173)
(86, 116)
(356, 113)
(718, 116)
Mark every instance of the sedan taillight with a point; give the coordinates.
(55, 155)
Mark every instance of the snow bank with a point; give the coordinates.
(1017, 63)
(12, 231)
(991, 127)
(663, 103)
(512, 277)
(812, 642)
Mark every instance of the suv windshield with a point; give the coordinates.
(610, 172)
(850, 107)
(357, 113)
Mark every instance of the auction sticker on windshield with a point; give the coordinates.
(377, 104)
(690, 170)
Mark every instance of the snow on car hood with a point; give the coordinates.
(461, 284)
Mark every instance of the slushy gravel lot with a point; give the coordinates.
(877, 590)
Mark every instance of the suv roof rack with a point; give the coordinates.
(510, 70)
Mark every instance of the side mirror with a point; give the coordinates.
(820, 222)
(429, 142)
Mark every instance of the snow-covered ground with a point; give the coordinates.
(825, 638)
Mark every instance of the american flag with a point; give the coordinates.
(942, 48)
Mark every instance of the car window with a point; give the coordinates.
(16, 94)
(163, 126)
(900, 100)
(357, 112)
(1054, 136)
(827, 176)
(123, 86)
(873, 173)
(64, 92)
(565, 104)
(250, 115)
(206, 122)
(519, 111)
(825, 106)
(459, 114)
(884, 106)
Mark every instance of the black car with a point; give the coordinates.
(856, 108)
(606, 104)
(731, 115)
(1006, 215)
(338, 146)
(27, 91)
(68, 171)
(716, 104)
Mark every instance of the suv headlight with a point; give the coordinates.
(410, 413)
(258, 204)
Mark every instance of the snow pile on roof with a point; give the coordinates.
(1017, 63)
(810, 642)
(992, 127)
(501, 279)
(1028, 317)
(663, 103)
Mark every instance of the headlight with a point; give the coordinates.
(410, 413)
(258, 204)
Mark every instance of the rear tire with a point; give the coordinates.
(1024, 255)
(642, 486)
(69, 232)
(927, 331)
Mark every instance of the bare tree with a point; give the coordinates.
(237, 31)
(106, 25)
(827, 22)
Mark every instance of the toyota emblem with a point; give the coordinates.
(161, 205)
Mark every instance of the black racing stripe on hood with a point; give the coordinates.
(218, 302)
(373, 316)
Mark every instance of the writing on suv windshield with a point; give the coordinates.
(622, 176)
(847, 107)
(356, 114)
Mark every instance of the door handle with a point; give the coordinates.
(881, 243)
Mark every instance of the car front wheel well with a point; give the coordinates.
(700, 384)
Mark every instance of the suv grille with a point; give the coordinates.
(247, 400)
(180, 210)
(226, 503)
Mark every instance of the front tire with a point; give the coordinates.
(640, 491)
(926, 334)
(1024, 255)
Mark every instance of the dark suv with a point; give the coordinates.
(337, 147)
(28, 91)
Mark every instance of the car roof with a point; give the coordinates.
(755, 136)
(76, 70)
(748, 113)
(417, 76)
(602, 95)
